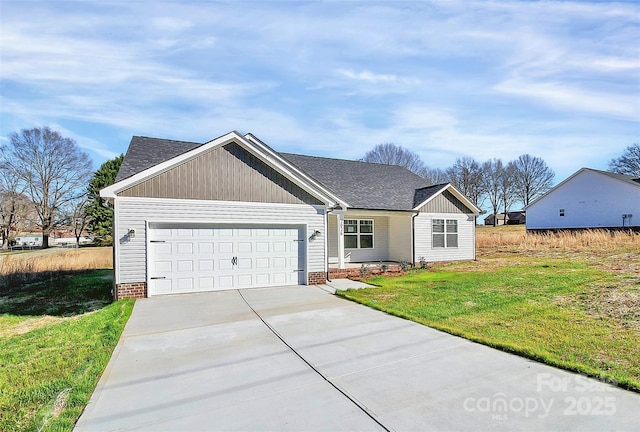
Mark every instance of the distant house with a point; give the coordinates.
(588, 199)
(28, 240)
(513, 218)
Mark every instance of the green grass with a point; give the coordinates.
(531, 308)
(50, 364)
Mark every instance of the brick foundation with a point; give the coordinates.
(131, 290)
(358, 273)
(317, 278)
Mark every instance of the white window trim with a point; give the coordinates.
(358, 233)
(445, 233)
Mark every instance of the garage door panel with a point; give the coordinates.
(208, 258)
(185, 266)
(205, 265)
(244, 247)
(185, 284)
(162, 266)
(205, 283)
(225, 264)
(279, 278)
(163, 286)
(226, 282)
(161, 248)
(205, 248)
(225, 247)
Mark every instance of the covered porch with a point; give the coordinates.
(378, 239)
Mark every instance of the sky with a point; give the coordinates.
(445, 79)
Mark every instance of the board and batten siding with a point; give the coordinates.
(226, 173)
(445, 202)
(589, 200)
(134, 213)
(424, 239)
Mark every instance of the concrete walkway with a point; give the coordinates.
(298, 358)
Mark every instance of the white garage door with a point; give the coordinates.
(190, 258)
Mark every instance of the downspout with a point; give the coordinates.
(328, 211)
(413, 239)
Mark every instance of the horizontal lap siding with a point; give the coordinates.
(380, 249)
(400, 238)
(589, 200)
(423, 238)
(133, 213)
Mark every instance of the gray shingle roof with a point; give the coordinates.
(425, 193)
(625, 178)
(145, 152)
(362, 185)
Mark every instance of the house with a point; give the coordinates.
(234, 213)
(513, 218)
(490, 219)
(588, 199)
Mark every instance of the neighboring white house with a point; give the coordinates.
(588, 199)
(30, 241)
(234, 213)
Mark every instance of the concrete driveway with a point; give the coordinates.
(299, 358)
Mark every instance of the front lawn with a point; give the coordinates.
(56, 337)
(555, 309)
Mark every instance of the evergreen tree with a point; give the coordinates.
(101, 217)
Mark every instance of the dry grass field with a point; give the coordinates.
(616, 252)
(56, 259)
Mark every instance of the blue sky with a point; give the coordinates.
(446, 79)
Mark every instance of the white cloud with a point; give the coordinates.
(563, 96)
(368, 76)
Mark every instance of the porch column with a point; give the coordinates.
(340, 230)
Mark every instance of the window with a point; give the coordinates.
(358, 233)
(561, 212)
(445, 233)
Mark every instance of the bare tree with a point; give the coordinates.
(466, 175)
(435, 175)
(628, 163)
(391, 154)
(12, 204)
(532, 178)
(76, 215)
(508, 194)
(51, 167)
(492, 177)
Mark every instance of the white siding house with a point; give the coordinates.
(233, 213)
(588, 199)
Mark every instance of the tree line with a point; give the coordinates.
(47, 181)
(503, 185)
